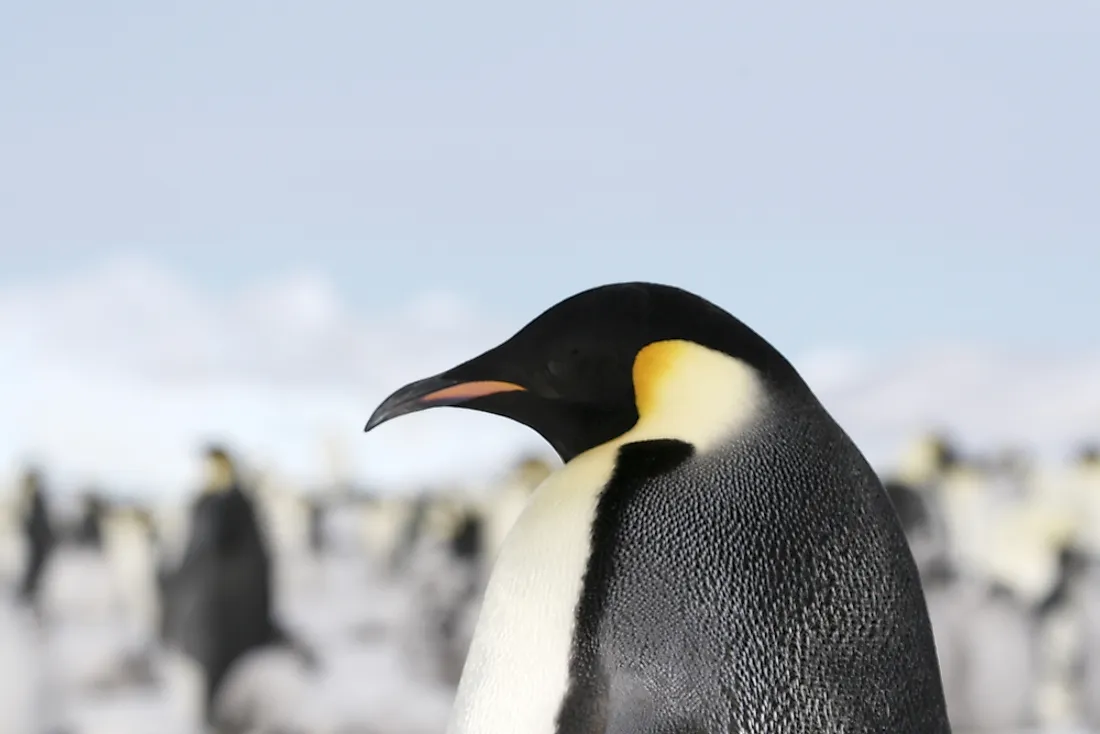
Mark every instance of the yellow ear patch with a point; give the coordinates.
(653, 366)
(688, 392)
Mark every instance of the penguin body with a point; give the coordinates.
(317, 519)
(914, 514)
(389, 529)
(715, 555)
(39, 535)
(504, 503)
(1088, 640)
(985, 639)
(927, 458)
(128, 547)
(220, 598)
(779, 618)
(925, 529)
(445, 578)
(89, 532)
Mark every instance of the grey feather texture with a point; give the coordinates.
(773, 592)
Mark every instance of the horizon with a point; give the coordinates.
(116, 374)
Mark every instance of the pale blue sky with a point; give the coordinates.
(863, 174)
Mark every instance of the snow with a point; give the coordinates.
(62, 674)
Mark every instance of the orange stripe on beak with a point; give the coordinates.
(470, 390)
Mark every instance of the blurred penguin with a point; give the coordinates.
(220, 597)
(317, 517)
(1080, 483)
(506, 501)
(985, 644)
(444, 572)
(410, 526)
(997, 530)
(89, 530)
(39, 535)
(923, 524)
(129, 546)
(1087, 604)
(984, 630)
(1090, 455)
(448, 549)
(1062, 641)
(388, 524)
(927, 459)
(1069, 617)
(283, 511)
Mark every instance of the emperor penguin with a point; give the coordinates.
(38, 531)
(923, 525)
(317, 509)
(220, 601)
(927, 458)
(89, 531)
(444, 577)
(128, 541)
(715, 554)
(506, 501)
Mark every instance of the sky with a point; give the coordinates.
(850, 178)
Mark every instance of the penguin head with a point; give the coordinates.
(1089, 455)
(220, 472)
(586, 370)
(32, 481)
(929, 457)
(94, 502)
(530, 471)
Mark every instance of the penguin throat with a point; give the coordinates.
(219, 476)
(687, 392)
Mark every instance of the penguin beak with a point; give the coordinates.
(433, 392)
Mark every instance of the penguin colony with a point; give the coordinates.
(1005, 553)
(1009, 557)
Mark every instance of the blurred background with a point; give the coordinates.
(228, 230)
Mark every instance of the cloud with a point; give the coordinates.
(117, 374)
(989, 399)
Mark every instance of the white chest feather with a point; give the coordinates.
(517, 670)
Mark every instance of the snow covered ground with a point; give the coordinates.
(68, 675)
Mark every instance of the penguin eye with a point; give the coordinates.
(566, 364)
(558, 368)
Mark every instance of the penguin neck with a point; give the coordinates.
(687, 392)
(220, 477)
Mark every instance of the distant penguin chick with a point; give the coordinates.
(715, 555)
